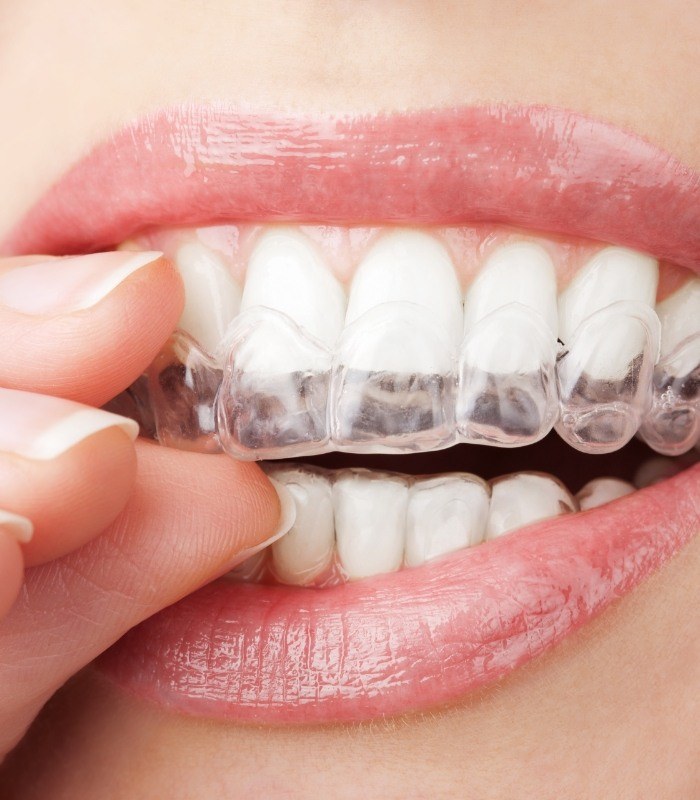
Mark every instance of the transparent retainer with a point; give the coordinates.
(604, 377)
(394, 385)
(274, 395)
(182, 384)
(672, 425)
(507, 384)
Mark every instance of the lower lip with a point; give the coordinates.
(404, 642)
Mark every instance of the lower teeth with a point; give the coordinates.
(356, 523)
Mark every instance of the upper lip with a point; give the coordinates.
(534, 166)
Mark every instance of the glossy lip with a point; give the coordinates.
(405, 642)
(421, 638)
(533, 166)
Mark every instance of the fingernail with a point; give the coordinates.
(19, 527)
(288, 515)
(64, 285)
(41, 427)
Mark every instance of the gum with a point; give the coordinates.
(282, 394)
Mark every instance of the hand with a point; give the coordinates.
(119, 529)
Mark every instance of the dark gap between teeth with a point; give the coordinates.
(551, 455)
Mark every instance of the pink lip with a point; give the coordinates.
(420, 638)
(537, 167)
(403, 642)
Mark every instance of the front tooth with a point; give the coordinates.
(410, 267)
(526, 497)
(507, 389)
(285, 273)
(614, 274)
(600, 491)
(370, 522)
(307, 550)
(445, 513)
(521, 272)
(393, 382)
(212, 297)
(273, 402)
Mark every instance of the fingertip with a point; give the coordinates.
(11, 570)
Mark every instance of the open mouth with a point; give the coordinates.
(463, 412)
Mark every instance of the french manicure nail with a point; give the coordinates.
(288, 515)
(64, 285)
(41, 427)
(19, 527)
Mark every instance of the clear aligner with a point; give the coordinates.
(395, 384)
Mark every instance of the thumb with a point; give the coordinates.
(192, 517)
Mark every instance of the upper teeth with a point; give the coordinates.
(309, 369)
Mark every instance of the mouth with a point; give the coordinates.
(467, 342)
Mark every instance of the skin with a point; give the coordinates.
(611, 712)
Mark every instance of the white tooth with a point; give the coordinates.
(526, 497)
(307, 550)
(413, 267)
(370, 522)
(445, 513)
(612, 275)
(655, 470)
(521, 272)
(286, 274)
(680, 318)
(600, 491)
(212, 297)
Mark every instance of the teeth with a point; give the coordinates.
(612, 275)
(274, 399)
(445, 513)
(212, 297)
(672, 426)
(507, 393)
(680, 318)
(524, 498)
(306, 552)
(521, 273)
(602, 401)
(370, 522)
(600, 491)
(284, 273)
(393, 383)
(408, 267)
(655, 470)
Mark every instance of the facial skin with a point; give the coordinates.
(612, 712)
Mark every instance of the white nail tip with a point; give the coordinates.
(307, 550)
(286, 274)
(370, 520)
(521, 499)
(20, 527)
(212, 297)
(288, 510)
(445, 513)
(74, 429)
(600, 491)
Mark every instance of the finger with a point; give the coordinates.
(85, 327)
(191, 518)
(13, 529)
(68, 468)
